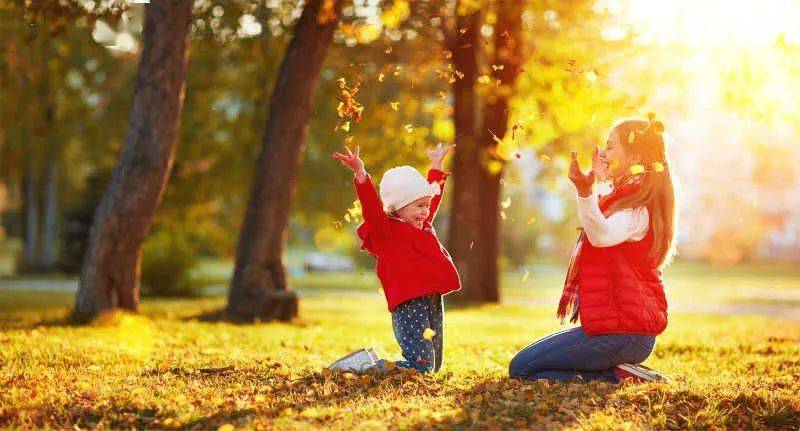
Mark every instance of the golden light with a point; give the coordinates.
(710, 22)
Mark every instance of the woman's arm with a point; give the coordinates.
(602, 231)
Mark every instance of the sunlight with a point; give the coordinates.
(710, 22)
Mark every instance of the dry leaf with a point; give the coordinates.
(428, 333)
(506, 203)
(380, 77)
(484, 79)
(394, 105)
(409, 128)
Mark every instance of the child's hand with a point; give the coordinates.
(353, 162)
(437, 154)
(583, 182)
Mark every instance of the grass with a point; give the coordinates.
(169, 369)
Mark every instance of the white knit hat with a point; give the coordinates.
(402, 185)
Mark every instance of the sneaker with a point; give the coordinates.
(638, 373)
(357, 362)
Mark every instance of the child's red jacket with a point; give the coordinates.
(411, 262)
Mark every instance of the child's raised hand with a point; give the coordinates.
(352, 162)
(436, 155)
(583, 182)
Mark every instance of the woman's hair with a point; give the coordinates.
(643, 141)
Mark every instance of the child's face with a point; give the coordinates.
(416, 212)
(618, 161)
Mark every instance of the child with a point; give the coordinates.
(413, 267)
(614, 282)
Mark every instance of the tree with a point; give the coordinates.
(474, 238)
(110, 274)
(259, 288)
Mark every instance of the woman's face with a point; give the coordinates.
(618, 161)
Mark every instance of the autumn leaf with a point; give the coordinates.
(428, 333)
(502, 215)
(498, 67)
(388, 50)
(531, 220)
(442, 95)
(545, 158)
(484, 79)
(409, 128)
(506, 203)
(637, 169)
(394, 105)
(380, 77)
(448, 54)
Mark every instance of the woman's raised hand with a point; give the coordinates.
(352, 162)
(436, 155)
(583, 182)
(599, 164)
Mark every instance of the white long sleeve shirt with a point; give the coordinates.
(625, 225)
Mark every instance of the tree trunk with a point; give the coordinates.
(508, 55)
(474, 239)
(259, 289)
(30, 209)
(50, 216)
(110, 273)
(464, 242)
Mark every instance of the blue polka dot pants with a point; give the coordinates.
(409, 321)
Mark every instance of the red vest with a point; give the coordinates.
(620, 288)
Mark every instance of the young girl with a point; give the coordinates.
(414, 268)
(614, 282)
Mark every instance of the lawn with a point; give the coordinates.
(170, 368)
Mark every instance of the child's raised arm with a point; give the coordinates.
(371, 206)
(437, 175)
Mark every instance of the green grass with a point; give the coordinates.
(168, 368)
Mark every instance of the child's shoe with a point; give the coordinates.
(638, 373)
(357, 362)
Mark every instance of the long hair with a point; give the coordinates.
(643, 142)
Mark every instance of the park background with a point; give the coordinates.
(516, 85)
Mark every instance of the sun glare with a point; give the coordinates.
(710, 22)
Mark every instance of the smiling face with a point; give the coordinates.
(416, 212)
(619, 163)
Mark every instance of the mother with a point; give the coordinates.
(614, 280)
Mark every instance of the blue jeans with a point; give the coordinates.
(570, 354)
(409, 321)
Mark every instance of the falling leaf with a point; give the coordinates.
(637, 169)
(658, 167)
(442, 95)
(525, 276)
(448, 54)
(428, 333)
(471, 244)
(484, 79)
(397, 70)
(498, 67)
(342, 82)
(380, 77)
(545, 158)
(531, 220)
(348, 139)
(347, 218)
(409, 128)
(345, 126)
(394, 105)
(388, 50)
(503, 215)
(505, 34)
(506, 203)
(462, 30)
